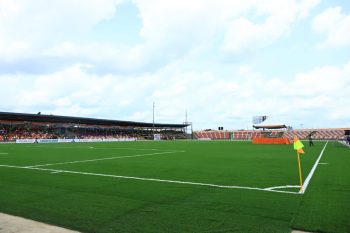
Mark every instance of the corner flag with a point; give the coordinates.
(298, 145)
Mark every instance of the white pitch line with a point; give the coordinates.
(323, 163)
(55, 172)
(283, 187)
(93, 160)
(150, 179)
(102, 148)
(344, 143)
(308, 178)
(130, 148)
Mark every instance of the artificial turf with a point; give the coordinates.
(325, 207)
(91, 203)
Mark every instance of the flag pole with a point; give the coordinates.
(301, 178)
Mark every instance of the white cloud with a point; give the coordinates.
(170, 29)
(27, 27)
(306, 6)
(336, 27)
(190, 24)
(243, 34)
(173, 64)
(209, 100)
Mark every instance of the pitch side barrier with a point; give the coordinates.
(75, 140)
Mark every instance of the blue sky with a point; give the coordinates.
(221, 61)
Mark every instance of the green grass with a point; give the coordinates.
(107, 204)
(325, 207)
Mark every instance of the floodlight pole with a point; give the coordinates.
(186, 122)
(153, 119)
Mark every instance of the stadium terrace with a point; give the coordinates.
(39, 126)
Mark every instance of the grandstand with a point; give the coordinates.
(15, 126)
(320, 134)
(30, 126)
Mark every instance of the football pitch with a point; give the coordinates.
(177, 186)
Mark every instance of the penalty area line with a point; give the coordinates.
(150, 179)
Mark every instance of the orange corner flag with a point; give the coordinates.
(298, 145)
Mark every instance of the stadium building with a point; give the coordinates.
(17, 126)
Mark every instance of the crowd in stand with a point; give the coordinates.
(105, 134)
(23, 132)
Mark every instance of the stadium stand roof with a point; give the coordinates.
(269, 123)
(25, 117)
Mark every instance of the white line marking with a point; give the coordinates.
(323, 163)
(130, 148)
(308, 178)
(344, 143)
(283, 187)
(150, 179)
(108, 158)
(56, 172)
(102, 148)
